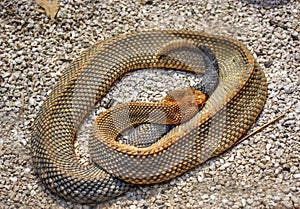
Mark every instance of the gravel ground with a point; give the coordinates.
(262, 172)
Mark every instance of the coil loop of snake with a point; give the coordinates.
(227, 114)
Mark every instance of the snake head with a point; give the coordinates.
(189, 102)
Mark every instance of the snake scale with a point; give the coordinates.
(227, 115)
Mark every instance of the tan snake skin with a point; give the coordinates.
(226, 116)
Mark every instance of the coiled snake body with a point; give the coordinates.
(226, 116)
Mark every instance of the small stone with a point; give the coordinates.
(212, 167)
(249, 201)
(200, 177)
(33, 193)
(213, 197)
(257, 169)
(5, 74)
(24, 141)
(287, 204)
(132, 207)
(224, 166)
(205, 196)
(138, 197)
(18, 103)
(13, 179)
(231, 158)
(277, 171)
(295, 199)
(293, 169)
(19, 60)
(279, 153)
(31, 101)
(297, 176)
(285, 189)
(243, 202)
(225, 201)
(160, 85)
